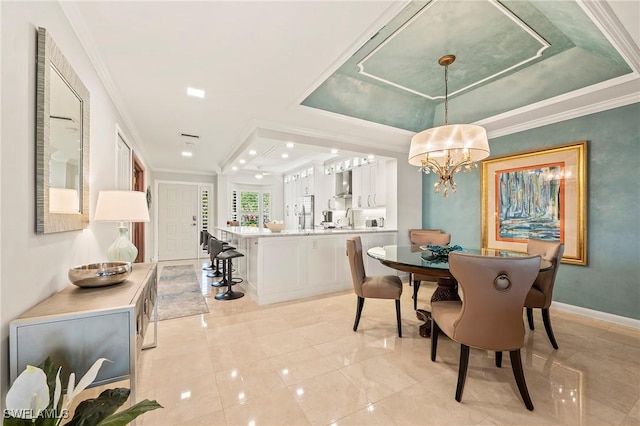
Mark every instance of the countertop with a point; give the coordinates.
(255, 232)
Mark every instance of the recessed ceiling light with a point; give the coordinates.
(234, 168)
(289, 144)
(197, 93)
(334, 151)
(187, 153)
(242, 161)
(285, 155)
(259, 176)
(252, 152)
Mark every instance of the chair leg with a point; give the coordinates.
(530, 318)
(358, 312)
(416, 287)
(398, 318)
(462, 370)
(435, 330)
(547, 326)
(498, 359)
(518, 373)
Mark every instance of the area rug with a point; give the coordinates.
(179, 293)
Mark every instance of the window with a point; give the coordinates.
(249, 206)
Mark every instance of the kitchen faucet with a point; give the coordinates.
(346, 214)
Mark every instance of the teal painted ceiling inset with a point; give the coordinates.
(508, 54)
(401, 61)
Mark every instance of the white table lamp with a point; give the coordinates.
(122, 206)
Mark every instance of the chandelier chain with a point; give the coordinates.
(446, 95)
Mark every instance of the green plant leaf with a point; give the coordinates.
(126, 416)
(90, 412)
(12, 421)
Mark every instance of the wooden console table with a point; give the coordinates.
(76, 326)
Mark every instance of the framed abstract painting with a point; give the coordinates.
(537, 194)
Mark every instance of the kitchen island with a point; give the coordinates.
(296, 264)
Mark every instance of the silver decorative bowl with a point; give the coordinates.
(99, 274)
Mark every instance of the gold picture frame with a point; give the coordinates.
(537, 194)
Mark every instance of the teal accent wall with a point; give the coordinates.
(611, 280)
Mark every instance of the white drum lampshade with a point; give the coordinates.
(122, 206)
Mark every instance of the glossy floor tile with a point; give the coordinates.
(300, 363)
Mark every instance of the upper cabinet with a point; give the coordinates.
(329, 200)
(370, 185)
(298, 183)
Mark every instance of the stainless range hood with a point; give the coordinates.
(343, 184)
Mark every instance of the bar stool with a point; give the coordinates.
(226, 256)
(215, 261)
(204, 242)
(215, 249)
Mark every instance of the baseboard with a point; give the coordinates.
(585, 312)
(602, 316)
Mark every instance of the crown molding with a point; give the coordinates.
(395, 8)
(606, 20)
(186, 172)
(597, 98)
(544, 45)
(78, 25)
(567, 115)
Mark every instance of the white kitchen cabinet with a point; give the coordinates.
(323, 251)
(306, 182)
(378, 184)
(297, 184)
(369, 185)
(357, 188)
(290, 201)
(281, 267)
(328, 202)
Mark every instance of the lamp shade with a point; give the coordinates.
(460, 141)
(122, 206)
(64, 200)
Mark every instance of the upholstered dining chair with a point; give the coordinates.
(490, 315)
(425, 237)
(376, 287)
(541, 292)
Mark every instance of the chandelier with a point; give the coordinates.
(448, 149)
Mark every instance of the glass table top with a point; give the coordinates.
(422, 257)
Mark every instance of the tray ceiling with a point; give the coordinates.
(360, 76)
(508, 54)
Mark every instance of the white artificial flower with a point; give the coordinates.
(29, 394)
(87, 379)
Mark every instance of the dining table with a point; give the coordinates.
(416, 259)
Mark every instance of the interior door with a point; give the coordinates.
(137, 231)
(177, 221)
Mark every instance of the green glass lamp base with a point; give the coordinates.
(122, 248)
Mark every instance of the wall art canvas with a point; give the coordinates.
(539, 195)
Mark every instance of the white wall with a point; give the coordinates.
(32, 266)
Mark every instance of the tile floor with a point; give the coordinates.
(300, 363)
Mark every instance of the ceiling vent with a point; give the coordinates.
(268, 151)
(189, 139)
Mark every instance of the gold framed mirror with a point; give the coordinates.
(62, 142)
